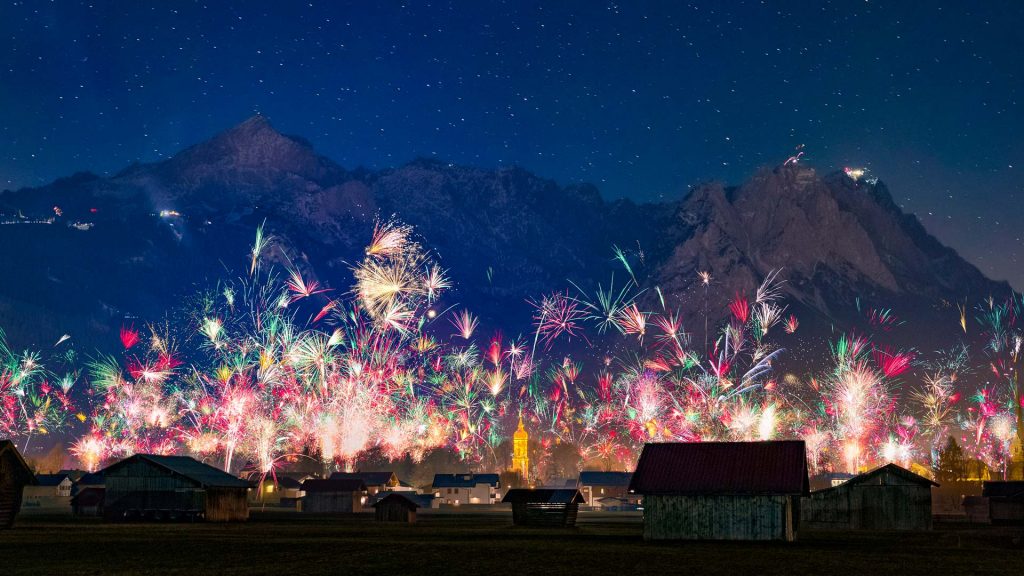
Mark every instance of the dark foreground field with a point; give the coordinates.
(478, 545)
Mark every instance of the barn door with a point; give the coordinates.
(876, 507)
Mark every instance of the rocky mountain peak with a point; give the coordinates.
(505, 234)
(253, 144)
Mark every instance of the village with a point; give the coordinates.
(692, 492)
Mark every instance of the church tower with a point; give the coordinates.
(520, 458)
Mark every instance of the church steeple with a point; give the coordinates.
(520, 456)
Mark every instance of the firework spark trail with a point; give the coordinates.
(30, 405)
(248, 384)
(465, 324)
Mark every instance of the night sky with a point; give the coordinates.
(642, 99)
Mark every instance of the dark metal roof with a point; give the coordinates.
(706, 468)
(595, 478)
(91, 479)
(202, 474)
(21, 467)
(410, 500)
(544, 496)
(1012, 489)
(891, 469)
(51, 479)
(463, 480)
(89, 497)
(288, 482)
(370, 478)
(334, 485)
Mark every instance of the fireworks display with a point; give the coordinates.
(275, 365)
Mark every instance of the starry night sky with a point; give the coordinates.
(642, 99)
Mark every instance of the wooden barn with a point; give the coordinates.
(721, 490)
(333, 496)
(14, 476)
(398, 507)
(154, 487)
(544, 506)
(1005, 501)
(886, 498)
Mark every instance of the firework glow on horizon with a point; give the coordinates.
(275, 366)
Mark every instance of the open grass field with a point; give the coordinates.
(456, 544)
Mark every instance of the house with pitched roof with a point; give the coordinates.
(51, 494)
(459, 489)
(375, 481)
(607, 489)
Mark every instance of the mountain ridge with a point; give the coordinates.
(505, 234)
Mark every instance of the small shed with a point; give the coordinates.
(155, 487)
(333, 495)
(398, 507)
(721, 490)
(544, 506)
(1005, 501)
(886, 498)
(88, 502)
(14, 476)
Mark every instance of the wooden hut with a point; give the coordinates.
(333, 496)
(398, 507)
(544, 506)
(886, 498)
(1005, 501)
(154, 487)
(88, 502)
(14, 476)
(721, 490)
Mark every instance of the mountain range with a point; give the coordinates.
(86, 254)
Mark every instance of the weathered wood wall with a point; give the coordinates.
(678, 517)
(13, 479)
(544, 514)
(141, 490)
(1005, 511)
(10, 500)
(887, 502)
(226, 505)
(394, 512)
(331, 502)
